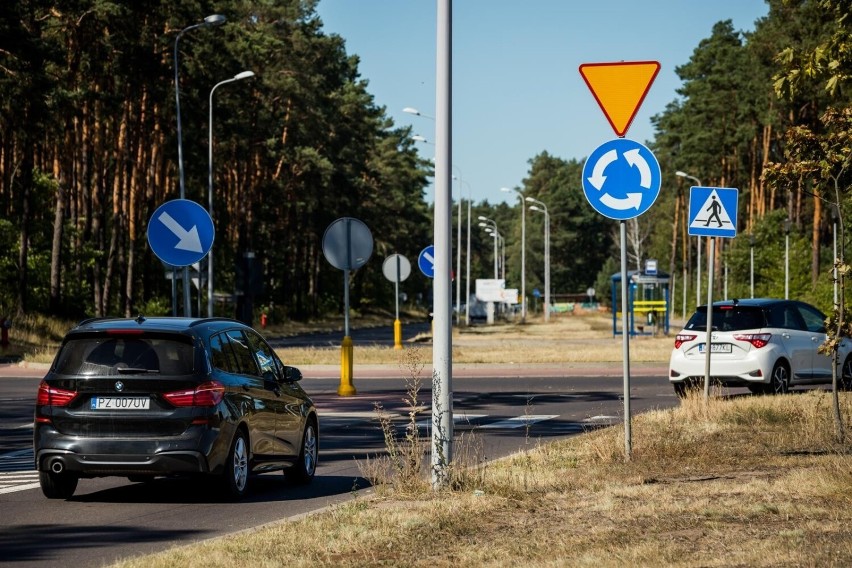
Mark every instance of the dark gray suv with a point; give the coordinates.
(149, 397)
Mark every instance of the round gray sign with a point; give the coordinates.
(396, 268)
(347, 244)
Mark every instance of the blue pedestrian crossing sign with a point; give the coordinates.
(180, 232)
(426, 261)
(713, 211)
(621, 179)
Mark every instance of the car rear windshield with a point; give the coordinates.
(728, 318)
(103, 355)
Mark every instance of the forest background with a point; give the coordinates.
(88, 140)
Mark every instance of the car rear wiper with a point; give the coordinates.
(136, 371)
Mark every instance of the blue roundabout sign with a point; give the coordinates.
(621, 179)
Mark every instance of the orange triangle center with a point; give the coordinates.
(620, 88)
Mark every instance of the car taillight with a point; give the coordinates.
(682, 338)
(210, 393)
(756, 339)
(52, 396)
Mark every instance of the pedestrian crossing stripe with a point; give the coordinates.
(713, 211)
(12, 482)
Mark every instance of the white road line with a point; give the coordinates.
(520, 421)
(457, 419)
(20, 488)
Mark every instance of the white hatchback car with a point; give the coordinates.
(767, 345)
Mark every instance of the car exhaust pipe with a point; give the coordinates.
(56, 466)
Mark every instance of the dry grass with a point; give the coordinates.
(751, 481)
(566, 339)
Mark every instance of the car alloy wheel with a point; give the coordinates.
(235, 476)
(303, 471)
(779, 382)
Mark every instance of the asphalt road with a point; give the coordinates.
(510, 408)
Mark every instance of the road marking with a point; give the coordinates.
(457, 419)
(18, 481)
(519, 421)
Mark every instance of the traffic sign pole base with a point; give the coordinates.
(397, 334)
(346, 388)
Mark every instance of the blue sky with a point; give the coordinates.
(517, 90)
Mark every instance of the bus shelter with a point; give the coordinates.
(647, 303)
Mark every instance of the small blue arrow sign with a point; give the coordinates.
(180, 232)
(713, 211)
(426, 261)
(621, 179)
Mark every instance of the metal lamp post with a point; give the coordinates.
(786, 259)
(751, 263)
(698, 271)
(523, 252)
(209, 21)
(237, 77)
(467, 260)
(458, 249)
(539, 206)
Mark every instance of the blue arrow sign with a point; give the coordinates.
(713, 211)
(621, 179)
(180, 232)
(426, 261)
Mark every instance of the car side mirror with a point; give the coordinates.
(292, 374)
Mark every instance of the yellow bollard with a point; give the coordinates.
(346, 388)
(397, 334)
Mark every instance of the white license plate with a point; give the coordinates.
(715, 347)
(120, 403)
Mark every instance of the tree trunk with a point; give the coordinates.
(56, 249)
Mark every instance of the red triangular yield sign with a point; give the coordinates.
(620, 88)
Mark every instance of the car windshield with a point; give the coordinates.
(728, 318)
(104, 356)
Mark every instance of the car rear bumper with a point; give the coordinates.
(96, 465)
(192, 452)
(733, 373)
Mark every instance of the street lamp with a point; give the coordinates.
(237, 77)
(491, 225)
(523, 252)
(786, 259)
(751, 262)
(414, 111)
(209, 21)
(698, 271)
(540, 206)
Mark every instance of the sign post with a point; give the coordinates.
(621, 178)
(396, 268)
(712, 213)
(347, 245)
